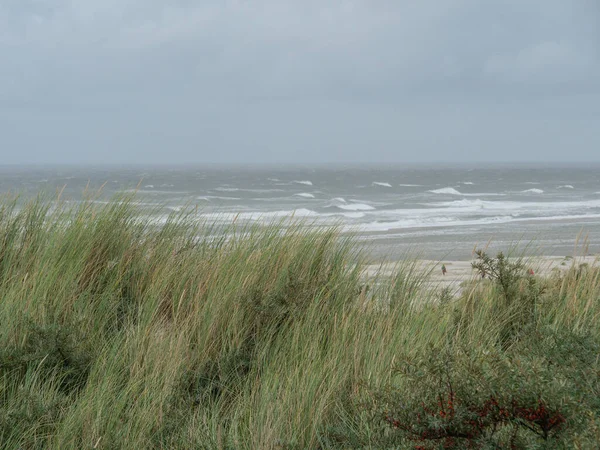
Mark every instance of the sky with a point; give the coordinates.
(299, 81)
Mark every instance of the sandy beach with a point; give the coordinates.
(460, 271)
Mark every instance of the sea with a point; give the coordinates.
(394, 212)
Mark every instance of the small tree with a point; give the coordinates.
(519, 295)
(505, 272)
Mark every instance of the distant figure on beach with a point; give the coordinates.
(443, 269)
(530, 272)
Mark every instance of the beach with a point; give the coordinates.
(459, 272)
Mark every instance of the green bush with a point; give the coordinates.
(540, 393)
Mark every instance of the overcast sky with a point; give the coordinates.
(303, 81)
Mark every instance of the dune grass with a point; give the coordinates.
(117, 333)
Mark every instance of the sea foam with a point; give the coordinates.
(208, 198)
(341, 203)
(355, 207)
(226, 189)
(446, 191)
(381, 183)
(260, 216)
(449, 221)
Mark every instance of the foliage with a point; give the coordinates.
(118, 333)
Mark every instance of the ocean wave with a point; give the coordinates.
(149, 186)
(381, 183)
(208, 198)
(410, 185)
(516, 205)
(341, 203)
(565, 186)
(255, 190)
(305, 182)
(532, 191)
(484, 194)
(455, 222)
(305, 195)
(254, 216)
(430, 223)
(353, 215)
(467, 182)
(467, 209)
(355, 207)
(446, 191)
(155, 191)
(110, 202)
(532, 182)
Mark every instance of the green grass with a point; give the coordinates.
(116, 333)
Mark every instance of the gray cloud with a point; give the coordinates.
(301, 81)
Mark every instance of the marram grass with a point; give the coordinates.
(117, 333)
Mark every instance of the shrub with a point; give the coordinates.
(538, 392)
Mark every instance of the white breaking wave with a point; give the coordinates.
(306, 182)
(230, 217)
(355, 207)
(452, 221)
(259, 191)
(410, 185)
(533, 191)
(526, 207)
(226, 189)
(467, 182)
(258, 215)
(208, 198)
(341, 203)
(149, 186)
(381, 183)
(532, 182)
(305, 195)
(155, 191)
(353, 215)
(565, 186)
(446, 190)
(484, 194)
(430, 223)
